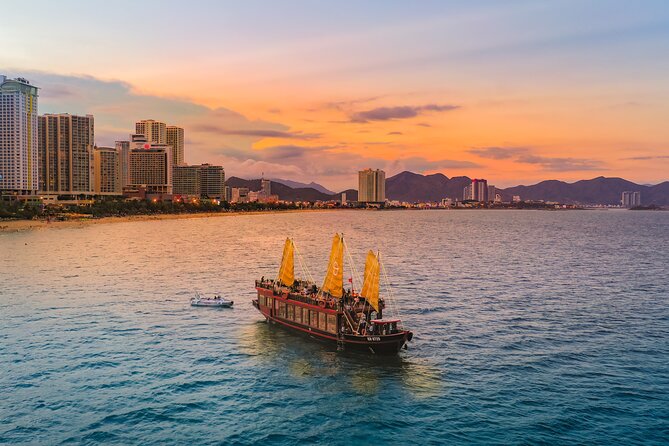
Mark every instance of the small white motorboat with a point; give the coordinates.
(216, 301)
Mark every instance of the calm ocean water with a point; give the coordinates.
(530, 327)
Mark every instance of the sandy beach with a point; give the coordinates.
(27, 225)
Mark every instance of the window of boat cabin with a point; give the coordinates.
(298, 314)
(305, 316)
(313, 318)
(268, 301)
(282, 310)
(291, 312)
(321, 321)
(332, 323)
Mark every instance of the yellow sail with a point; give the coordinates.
(334, 278)
(287, 269)
(370, 284)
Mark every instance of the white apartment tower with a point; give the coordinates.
(18, 136)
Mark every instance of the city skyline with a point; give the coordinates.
(540, 91)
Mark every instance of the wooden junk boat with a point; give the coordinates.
(351, 320)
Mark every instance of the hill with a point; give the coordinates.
(600, 190)
(289, 193)
(412, 187)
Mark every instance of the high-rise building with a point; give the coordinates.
(123, 148)
(371, 186)
(631, 199)
(492, 193)
(265, 187)
(66, 154)
(155, 131)
(175, 138)
(186, 180)
(212, 181)
(107, 171)
(150, 165)
(18, 136)
(476, 191)
(204, 180)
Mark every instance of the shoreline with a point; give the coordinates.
(9, 226)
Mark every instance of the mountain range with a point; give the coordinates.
(292, 193)
(414, 187)
(298, 185)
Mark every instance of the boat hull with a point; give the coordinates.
(211, 304)
(389, 344)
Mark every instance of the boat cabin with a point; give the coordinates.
(383, 326)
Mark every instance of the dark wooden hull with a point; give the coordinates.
(389, 344)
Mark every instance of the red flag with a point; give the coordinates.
(350, 279)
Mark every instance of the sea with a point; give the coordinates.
(530, 327)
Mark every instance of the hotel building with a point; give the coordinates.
(18, 137)
(66, 154)
(150, 166)
(107, 171)
(371, 186)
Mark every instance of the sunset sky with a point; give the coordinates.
(515, 91)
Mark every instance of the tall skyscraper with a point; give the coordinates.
(18, 136)
(175, 138)
(155, 131)
(476, 191)
(107, 171)
(631, 199)
(66, 153)
(371, 186)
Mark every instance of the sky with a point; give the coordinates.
(515, 92)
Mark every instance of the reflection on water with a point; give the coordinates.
(302, 357)
(531, 328)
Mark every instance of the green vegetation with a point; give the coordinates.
(112, 207)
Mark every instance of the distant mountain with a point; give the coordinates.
(412, 187)
(298, 185)
(289, 193)
(600, 190)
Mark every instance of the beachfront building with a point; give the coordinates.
(175, 138)
(107, 171)
(371, 186)
(150, 165)
(66, 154)
(239, 195)
(19, 162)
(212, 181)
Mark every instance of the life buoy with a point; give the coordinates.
(321, 303)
